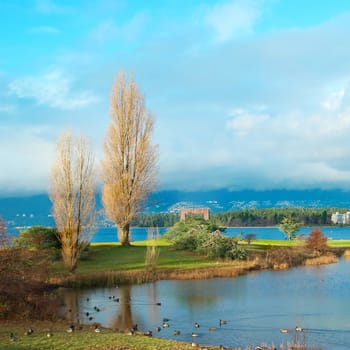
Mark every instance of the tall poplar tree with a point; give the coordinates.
(130, 162)
(72, 194)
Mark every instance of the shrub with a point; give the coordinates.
(203, 237)
(22, 290)
(38, 237)
(317, 242)
(238, 253)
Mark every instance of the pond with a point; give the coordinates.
(255, 307)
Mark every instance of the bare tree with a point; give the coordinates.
(130, 163)
(73, 196)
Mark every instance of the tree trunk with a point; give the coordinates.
(124, 235)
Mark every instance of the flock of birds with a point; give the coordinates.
(134, 330)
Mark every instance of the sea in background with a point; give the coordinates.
(109, 234)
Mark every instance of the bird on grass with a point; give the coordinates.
(148, 333)
(71, 329)
(97, 329)
(13, 337)
(29, 332)
(49, 334)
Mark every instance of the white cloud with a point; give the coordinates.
(28, 155)
(243, 122)
(233, 18)
(54, 89)
(333, 100)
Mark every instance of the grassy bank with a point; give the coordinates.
(108, 264)
(81, 339)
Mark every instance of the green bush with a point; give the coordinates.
(238, 253)
(203, 237)
(38, 238)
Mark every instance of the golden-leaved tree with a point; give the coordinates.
(130, 162)
(72, 194)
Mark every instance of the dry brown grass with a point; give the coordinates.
(321, 260)
(347, 254)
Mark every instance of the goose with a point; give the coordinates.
(29, 332)
(148, 333)
(221, 322)
(49, 334)
(97, 329)
(71, 329)
(13, 337)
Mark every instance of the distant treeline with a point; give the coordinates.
(248, 217)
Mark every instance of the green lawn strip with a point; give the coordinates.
(85, 339)
(112, 257)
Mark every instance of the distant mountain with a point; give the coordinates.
(36, 210)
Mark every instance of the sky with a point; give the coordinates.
(246, 94)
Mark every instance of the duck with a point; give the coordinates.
(166, 319)
(165, 325)
(212, 328)
(176, 332)
(283, 330)
(194, 334)
(148, 333)
(298, 329)
(49, 334)
(97, 329)
(196, 325)
(158, 329)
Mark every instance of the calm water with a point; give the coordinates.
(255, 307)
(139, 234)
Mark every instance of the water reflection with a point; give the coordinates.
(255, 307)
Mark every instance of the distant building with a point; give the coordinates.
(343, 219)
(205, 212)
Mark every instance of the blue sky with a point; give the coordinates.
(247, 94)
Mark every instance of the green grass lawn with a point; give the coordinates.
(110, 257)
